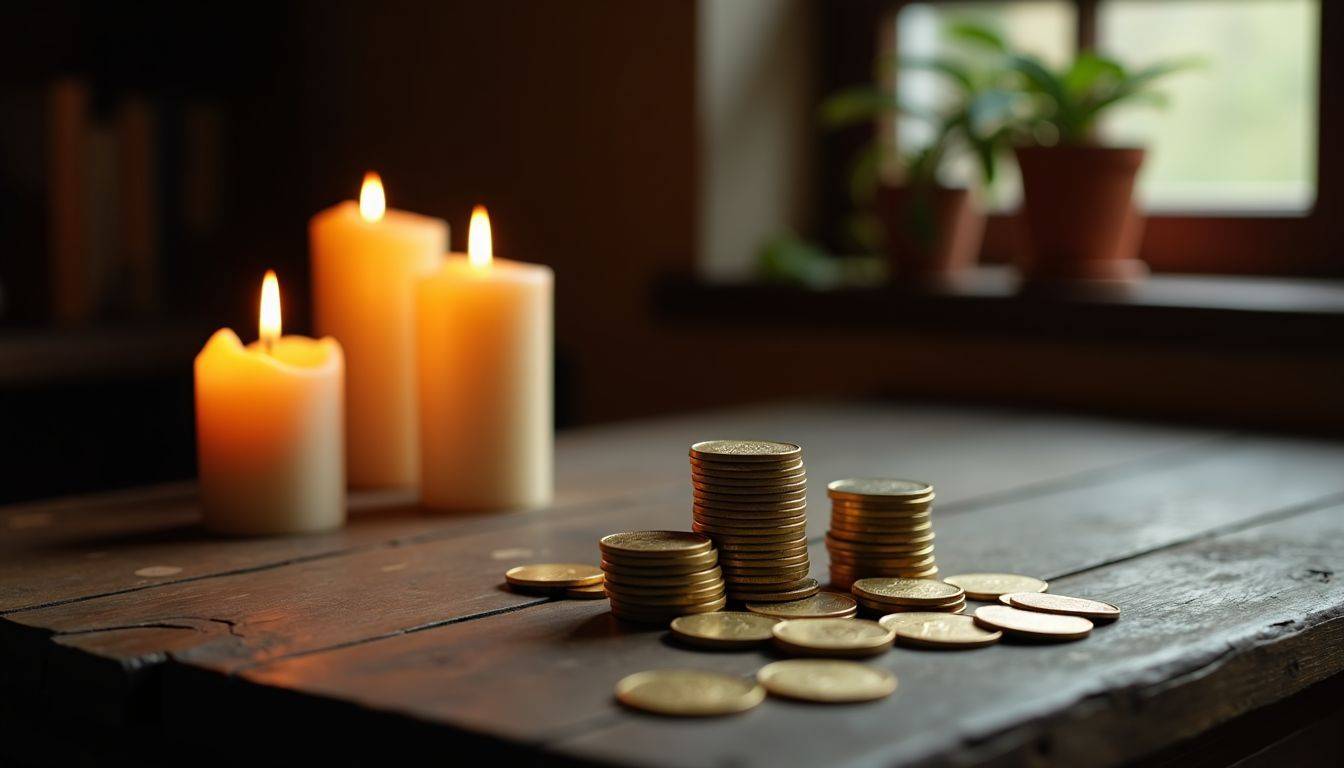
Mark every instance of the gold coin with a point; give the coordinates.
(765, 567)
(804, 588)
(988, 586)
(659, 601)
(714, 471)
(865, 488)
(680, 579)
(904, 591)
(765, 528)
(740, 517)
(879, 550)
(688, 693)
(634, 594)
(781, 562)
(956, 606)
(867, 526)
(765, 582)
(720, 507)
(749, 485)
(703, 560)
(823, 605)
(554, 575)
(733, 548)
(832, 637)
(727, 540)
(1030, 624)
(657, 544)
(756, 499)
(826, 681)
(595, 592)
(938, 630)
(664, 611)
(723, 629)
(881, 539)
(893, 509)
(844, 558)
(653, 571)
(745, 451)
(1063, 604)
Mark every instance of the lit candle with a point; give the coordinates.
(365, 260)
(269, 429)
(484, 334)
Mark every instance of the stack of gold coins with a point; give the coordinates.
(880, 527)
(750, 497)
(656, 576)
(883, 595)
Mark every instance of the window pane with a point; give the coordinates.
(1240, 132)
(1043, 27)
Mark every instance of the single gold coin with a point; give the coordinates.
(884, 509)
(669, 590)
(660, 601)
(745, 451)
(783, 561)
(595, 592)
(1063, 604)
(666, 581)
(702, 559)
(729, 507)
(770, 529)
(938, 630)
(654, 571)
(988, 586)
(723, 629)
(826, 681)
(748, 487)
(881, 539)
(764, 497)
(728, 546)
(554, 575)
(832, 637)
(904, 591)
(688, 693)
(1033, 625)
(883, 609)
(910, 549)
(711, 471)
(823, 605)
(865, 488)
(654, 544)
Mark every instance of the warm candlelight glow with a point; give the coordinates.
(372, 202)
(270, 309)
(479, 249)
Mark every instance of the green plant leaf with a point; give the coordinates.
(1090, 71)
(856, 105)
(977, 34)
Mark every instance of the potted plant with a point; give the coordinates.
(931, 230)
(1077, 194)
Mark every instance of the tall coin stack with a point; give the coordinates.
(656, 576)
(750, 497)
(880, 527)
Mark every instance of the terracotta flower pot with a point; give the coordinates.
(933, 232)
(1078, 206)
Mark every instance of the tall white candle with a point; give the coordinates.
(365, 260)
(484, 335)
(269, 429)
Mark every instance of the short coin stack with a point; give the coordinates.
(896, 595)
(750, 497)
(880, 527)
(656, 576)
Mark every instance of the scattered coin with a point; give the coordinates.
(1033, 625)
(938, 630)
(688, 693)
(988, 586)
(823, 605)
(832, 637)
(826, 681)
(724, 629)
(1063, 604)
(904, 591)
(554, 575)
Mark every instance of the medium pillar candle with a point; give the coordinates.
(484, 335)
(269, 430)
(366, 260)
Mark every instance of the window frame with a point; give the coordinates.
(1269, 243)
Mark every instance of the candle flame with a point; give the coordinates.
(372, 201)
(480, 251)
(270, 309)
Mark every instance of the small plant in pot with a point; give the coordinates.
(931, 230)
(1078, 194)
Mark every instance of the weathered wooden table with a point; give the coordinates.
(129, 634)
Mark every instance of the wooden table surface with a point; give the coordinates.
(119, 616)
